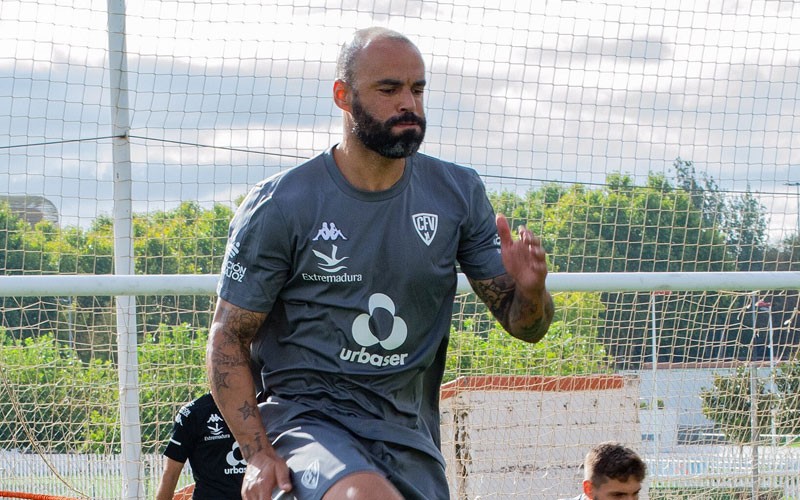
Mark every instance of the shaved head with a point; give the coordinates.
(348, 55)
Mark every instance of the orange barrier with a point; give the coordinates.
(32, 496)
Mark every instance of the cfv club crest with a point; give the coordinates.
(426, 225)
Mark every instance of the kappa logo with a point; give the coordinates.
(310, 477)
(215, 428)
(330, 263)
(233, 250)
(426, 225)
(329, 232)
(231, 269)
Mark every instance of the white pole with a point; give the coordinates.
(773, 389)
(130, 427)
(654, 424)
(796, 184)
(646, 282)
(754, 428)
(755, 432)
(204, 284)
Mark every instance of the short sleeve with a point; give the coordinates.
(257, 257)
(181, 441)
(479, 247)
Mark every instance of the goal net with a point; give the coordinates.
(650, 145)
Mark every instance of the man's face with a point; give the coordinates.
(614, 489)
(381, 137)
(386, 105)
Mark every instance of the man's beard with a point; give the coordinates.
(379, 137)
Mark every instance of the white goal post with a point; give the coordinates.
(131, 285)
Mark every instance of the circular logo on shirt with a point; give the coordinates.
(362, 333)
(234, 457)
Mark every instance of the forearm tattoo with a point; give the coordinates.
(224, 359)
(234, 330)
(497, 294)
(525, 320)
(253, 447)
(220, 379)
(248, 410)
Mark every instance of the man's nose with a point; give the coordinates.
(407, 101)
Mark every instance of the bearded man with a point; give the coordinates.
(339, 282)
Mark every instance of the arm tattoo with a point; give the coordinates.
(250, 449)
(219, 379)
(240, 325)
(527, 321)
(248, 410)
(497, 293)
(235, 329)
(223, 359)
(534, 329)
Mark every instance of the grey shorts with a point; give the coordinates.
(320, 452)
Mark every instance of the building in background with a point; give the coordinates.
(31, 208)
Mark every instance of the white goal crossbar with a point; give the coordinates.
(205, 284)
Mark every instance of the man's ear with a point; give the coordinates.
(342, 95)
(587, 489)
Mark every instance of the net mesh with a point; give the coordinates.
(633, 137)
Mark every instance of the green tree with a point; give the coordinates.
(728, 403)
(172, 372)
(569, 348)
(185, 240)
(659, 227)
(50, 398)
(48, 394)
(22, 252)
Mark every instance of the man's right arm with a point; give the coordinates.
(232, 385)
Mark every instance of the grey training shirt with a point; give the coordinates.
(359, 288)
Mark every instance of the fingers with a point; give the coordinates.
(269, 482)
(503, 231)
(526, 237)
(283, 478)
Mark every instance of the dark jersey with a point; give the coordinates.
(201, 436)
(359, 288)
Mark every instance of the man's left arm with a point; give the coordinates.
(519, 299)
(169, 480)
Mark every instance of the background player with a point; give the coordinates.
(612, 471)
(201, 436)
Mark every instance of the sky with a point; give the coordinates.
(223, 93)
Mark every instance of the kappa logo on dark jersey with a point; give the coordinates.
(329, 232)
(426, 225)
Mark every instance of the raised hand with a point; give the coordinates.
(524, 259)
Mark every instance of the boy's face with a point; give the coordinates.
(614, 489)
